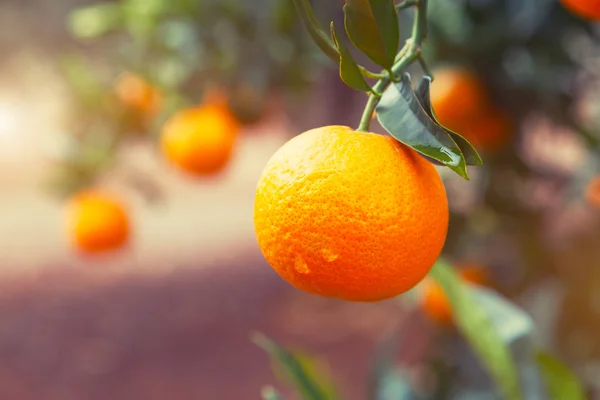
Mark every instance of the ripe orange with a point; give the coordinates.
(352, 215)
(135, 92)
(457, 95)
(97, 222)
(200, 140)
(592, 192)
(435, 303)
(588, 9)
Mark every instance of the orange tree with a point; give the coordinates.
(170, 58)
(339, 212)
(175, 48)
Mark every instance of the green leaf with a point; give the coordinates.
(269, 393)
(479, 331)
(372, 25)
(96, 20)
(561, 382)
(423, 95)
(349, 70)
(298, 370)
(308, 17)
(400, 113)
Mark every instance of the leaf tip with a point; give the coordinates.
(261, 340)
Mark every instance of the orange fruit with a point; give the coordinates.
(435, 303)
(97, 222)
(352, 215)
(200, 140)
(592, 192)
(588, 9)
(136, 93)
(457, 95)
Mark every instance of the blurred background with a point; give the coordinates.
(170, 314)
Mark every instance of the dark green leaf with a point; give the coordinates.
(423, 95)
(269, 393)
(298, 370)
(349, 70)
(560, 381)
(479, 331)
(308, 17)
(400, 113)
(96, 20)
(372, 25)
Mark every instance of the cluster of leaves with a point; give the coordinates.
(372, 26)
(519, 369)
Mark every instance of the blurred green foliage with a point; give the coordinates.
(183, 44)
(182, 48)
(560, 380)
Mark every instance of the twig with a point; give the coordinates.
(410, 53)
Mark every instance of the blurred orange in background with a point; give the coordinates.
(97, 222)
(589, 9)
(135, 92)
(200, 140)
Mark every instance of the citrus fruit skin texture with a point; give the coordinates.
(351, 215)
(97, 222)
(135, 92)
(588, 9)
(435, 303)
(200, 140)
(460, 103)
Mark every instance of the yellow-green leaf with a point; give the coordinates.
(349, 70)
(479, 332)
(96, 20)
(372, 25)
(560, 381)
(310, 21)
(298, 370)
